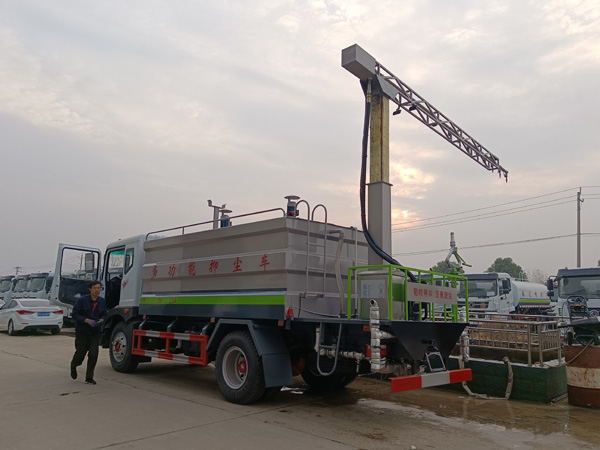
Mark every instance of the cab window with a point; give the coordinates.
(128, 259)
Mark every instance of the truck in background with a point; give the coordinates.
(571, 283)
(268, 300)
(500, 293)
(38, 285)
(20, 286)
(6, 287)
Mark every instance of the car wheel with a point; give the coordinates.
(239, 369)
(55, 331)
(11, 328)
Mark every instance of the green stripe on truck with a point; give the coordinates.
(216, 300)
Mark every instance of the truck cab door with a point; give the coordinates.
(75, 268)
(122, 272)
(113, 275)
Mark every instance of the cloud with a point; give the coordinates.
(409, 181)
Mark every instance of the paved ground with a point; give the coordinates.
(171, 406)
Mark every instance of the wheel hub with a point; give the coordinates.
(235, 367)
(118, 347)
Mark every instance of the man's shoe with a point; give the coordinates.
(74, 374)
(90, 381)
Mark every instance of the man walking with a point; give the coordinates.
(89, 313)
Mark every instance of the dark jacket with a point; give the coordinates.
(84, 309)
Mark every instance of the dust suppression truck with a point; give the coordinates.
(501, 293)
(270, 299)
(270, 295)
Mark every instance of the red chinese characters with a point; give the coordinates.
(192, 269)
(214, 265)
(172, 270)
(264, 262)
(237, 265)
(154, 272)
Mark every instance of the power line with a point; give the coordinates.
(486, 207)
(475, 218)
(495, 212)
(445, 250)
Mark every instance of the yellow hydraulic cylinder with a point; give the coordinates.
(380, 139)
(379, 193)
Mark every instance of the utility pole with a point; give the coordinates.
(17, 270)
(579, 202)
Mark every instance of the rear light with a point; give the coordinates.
(24, 311)
(58, 311)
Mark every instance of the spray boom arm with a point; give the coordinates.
(358, 62)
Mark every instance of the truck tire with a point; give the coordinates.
(121, 341)
(239, 369)
(344, 374)
(333, 382)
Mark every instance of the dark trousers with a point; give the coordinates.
(90, 344)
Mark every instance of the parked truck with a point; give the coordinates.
(6, 288)
(38, 285)
(267, 300)
(20, 285)
(501, 293)
(572, 284)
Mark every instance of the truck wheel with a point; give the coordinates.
(55, 331)
(11, 328)
(239, 369)
(121, 341)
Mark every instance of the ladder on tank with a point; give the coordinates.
(321, 346)
(309, 245)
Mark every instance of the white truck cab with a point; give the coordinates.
(570, 283)
(6, 287)
(122, 272)
(20, 286)
(38, 285)
(501, 293)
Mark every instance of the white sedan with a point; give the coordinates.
(30, 314)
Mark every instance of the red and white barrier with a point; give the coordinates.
(425, 380)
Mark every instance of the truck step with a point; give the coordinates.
(139, 335)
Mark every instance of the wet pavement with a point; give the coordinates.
(171, 405)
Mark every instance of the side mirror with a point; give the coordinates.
(89, 262)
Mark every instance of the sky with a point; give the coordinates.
(120, 118)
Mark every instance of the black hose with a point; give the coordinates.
(363, 183)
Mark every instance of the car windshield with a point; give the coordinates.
(4, 285)
(36, 284)
(34, 303)
(586, 286)
(479, 288)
